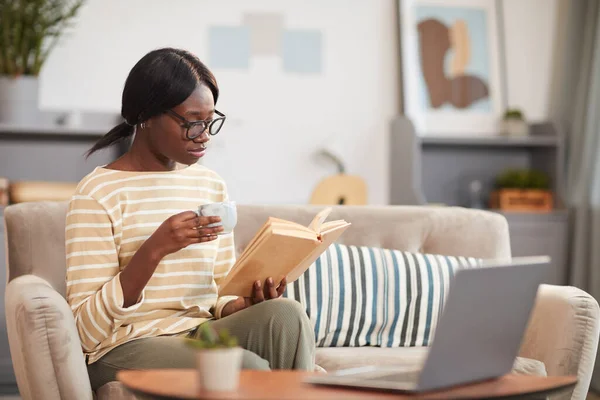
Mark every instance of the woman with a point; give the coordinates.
(142, 266)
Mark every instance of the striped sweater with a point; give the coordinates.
(110, 215)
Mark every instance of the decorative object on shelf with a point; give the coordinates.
(339, 189)
(73, 119)
(514, 123)
(451, 66)
(476, 195)
(522, 190)
(218, 359)
(30, 30)
(3, 192)
(26, 191)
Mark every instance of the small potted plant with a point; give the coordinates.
(514, 123)
(218, 359)
(522, 190)
(30, 32)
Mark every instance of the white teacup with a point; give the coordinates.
(226, 210)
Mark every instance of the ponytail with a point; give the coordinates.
(115, 135)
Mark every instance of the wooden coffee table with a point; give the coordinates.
(182, 384)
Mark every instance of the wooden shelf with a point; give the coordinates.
(46, 124)
(492, 141)
(9, 130)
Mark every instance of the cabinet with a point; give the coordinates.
(542, 234)
(440, 170)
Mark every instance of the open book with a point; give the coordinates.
(281, 249)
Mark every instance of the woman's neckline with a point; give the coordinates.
(174, 171)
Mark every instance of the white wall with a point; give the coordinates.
(277, 121)
(534, 33)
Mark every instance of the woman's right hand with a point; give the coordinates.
(181, 230)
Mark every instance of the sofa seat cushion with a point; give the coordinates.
(336, 358)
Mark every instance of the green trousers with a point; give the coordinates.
(276, 334)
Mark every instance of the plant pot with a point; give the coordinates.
(526, 200)
(19, 100)
(515, 127)
(219, 369)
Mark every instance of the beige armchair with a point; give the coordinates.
(46, 353)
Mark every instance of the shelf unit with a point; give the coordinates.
(440, 169)
(46, 151)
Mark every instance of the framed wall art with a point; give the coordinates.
(452, 66)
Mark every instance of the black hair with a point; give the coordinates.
(159, 81)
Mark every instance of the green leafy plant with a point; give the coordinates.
(523, 179)
(514, 113)
(29, 30)
(208, 338)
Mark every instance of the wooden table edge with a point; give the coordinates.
(548, 392)
(567, 385)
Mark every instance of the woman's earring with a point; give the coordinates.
(143, 125)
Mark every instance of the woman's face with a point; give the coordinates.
(168, 135)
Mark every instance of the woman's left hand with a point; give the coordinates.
(269, 291)
(260, 293)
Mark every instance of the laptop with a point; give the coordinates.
(478, 335)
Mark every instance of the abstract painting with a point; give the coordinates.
(451, 65)
(454, 58)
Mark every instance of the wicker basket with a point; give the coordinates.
(526, 200)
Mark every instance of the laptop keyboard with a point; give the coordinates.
(400, 377)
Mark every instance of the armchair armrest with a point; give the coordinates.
(44, 342)
(563, 334)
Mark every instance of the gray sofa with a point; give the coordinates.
(561, 339)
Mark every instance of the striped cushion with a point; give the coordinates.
(364, 296)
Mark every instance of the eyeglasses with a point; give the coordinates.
(195, 129)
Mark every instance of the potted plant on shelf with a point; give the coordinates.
(522, 190)
(514, 123)
(30, 30)
(218, 359)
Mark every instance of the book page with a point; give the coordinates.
(292, 227)
(264, 230)
(281, 248)
(327, 239)
(283, 227)
(331, 225)
(247, 253)
(318, 220)
(257, 236)
(285, 231)
(275, 257)
(274, 220)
